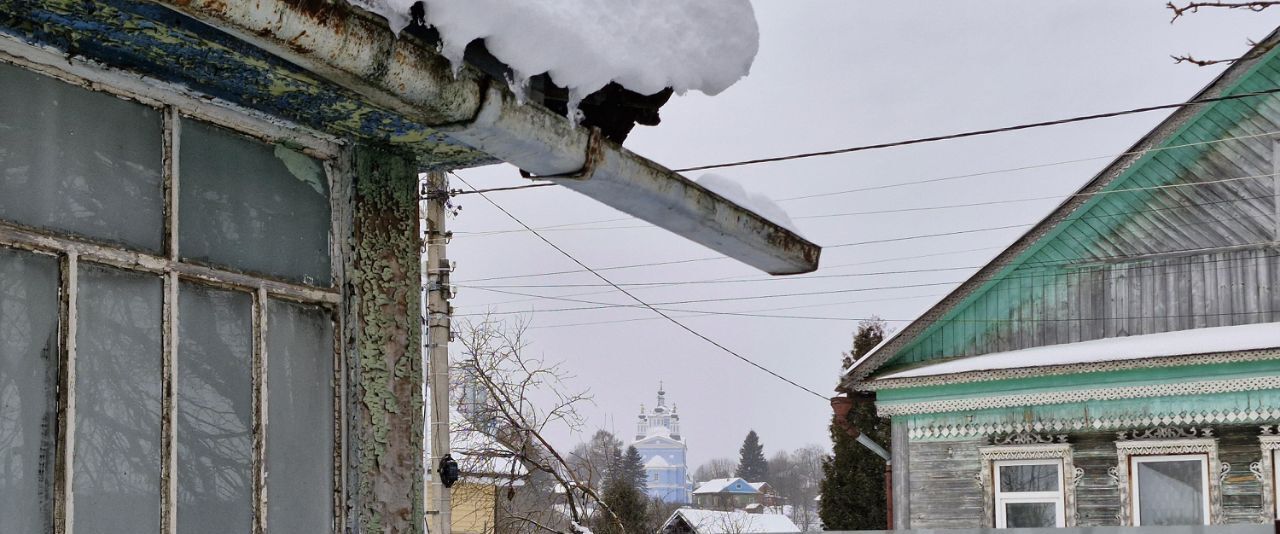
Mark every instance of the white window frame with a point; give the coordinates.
(178, 104)
(1154, 449)
(1041, 452)
(1135, 461)
(1058, 498)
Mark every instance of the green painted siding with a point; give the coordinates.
(1183, 238)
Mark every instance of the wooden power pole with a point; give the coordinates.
(438, 312)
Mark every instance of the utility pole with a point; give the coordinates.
(438, 312)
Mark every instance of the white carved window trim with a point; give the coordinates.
(1206, 448)
(1069, 476)
(1267, 471)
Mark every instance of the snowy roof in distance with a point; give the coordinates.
(736, 522)
(1178, 343)
(719, 485)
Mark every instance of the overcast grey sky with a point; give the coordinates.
(832, 74)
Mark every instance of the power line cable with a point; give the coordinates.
(989, 131)
(974, 230)
(566, 226)
(931, 139)
(643, 303)
(1028, 266)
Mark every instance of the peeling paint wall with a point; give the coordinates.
(386, 430)
(154, 41)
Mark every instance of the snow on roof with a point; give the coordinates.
(644, 45)
(478, 453)
(736, 522)
(1179, 343)
(718, 485)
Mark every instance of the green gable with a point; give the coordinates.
(1178, 234)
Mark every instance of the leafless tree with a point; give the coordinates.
(715, 468)
(523, 397)
(1181, 9)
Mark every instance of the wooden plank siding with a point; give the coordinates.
(946, 492)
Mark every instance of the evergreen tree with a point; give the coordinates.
(632, 470)
(853, 496)
(752, 466)
(624, 494)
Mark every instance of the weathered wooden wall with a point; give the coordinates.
(945, 491)
(1048, 306)
(1185, 237)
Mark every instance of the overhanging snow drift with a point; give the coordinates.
(363, 55)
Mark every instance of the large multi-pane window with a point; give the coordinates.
(167, 354)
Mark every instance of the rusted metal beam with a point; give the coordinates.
(357, 51)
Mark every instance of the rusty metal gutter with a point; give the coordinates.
(358, 51)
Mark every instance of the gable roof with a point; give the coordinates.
(1100, 223)
(726, 485)
(736, 522)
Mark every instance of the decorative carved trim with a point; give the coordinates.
(1202, 387)
(1217, 469)
(1114, 474)
(1071, 474)
(1045, 451)
(1264, 470)
(1078, 368)
(1164, 432)
(1097, 424)
(1027, 438)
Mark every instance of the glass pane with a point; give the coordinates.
(1019, 478)
(28, 382)
(300, 419)
(78, 161)
(116, 481)
(1030, 514)
(1171, 493)
(252, 206)
(215, 410)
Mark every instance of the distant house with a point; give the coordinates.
(726, 494)
(690, 521)
(1120, 363)
(767, 497)
(489, 469)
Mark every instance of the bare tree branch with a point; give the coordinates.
(526, 396)
(1194, 7)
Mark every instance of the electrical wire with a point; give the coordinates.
(920, 140)
(567, 226)
(643, 303)
(1033, 265)
(977, 230)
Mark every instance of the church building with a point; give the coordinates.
(663, 449)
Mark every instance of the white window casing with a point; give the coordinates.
(1267, 471)
(1132, 453)
(995, 498)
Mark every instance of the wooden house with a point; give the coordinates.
(1119, 364)
(210, 258)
